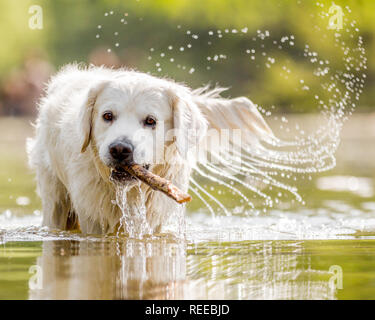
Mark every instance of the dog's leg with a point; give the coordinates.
(90, 227)
(57, 211)
(72, 223)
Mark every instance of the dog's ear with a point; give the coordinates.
(86, 114)
(239, 113)
(189, 124)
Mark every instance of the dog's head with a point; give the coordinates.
(139, 119)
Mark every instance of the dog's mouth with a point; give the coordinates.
(119, 175)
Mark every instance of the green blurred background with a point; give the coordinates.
(84, 30)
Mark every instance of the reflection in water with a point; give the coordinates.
(165, 269)
(111, 270)
(257, 270)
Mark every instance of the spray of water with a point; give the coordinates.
(262, 175)
(133, 220)
(267, 169)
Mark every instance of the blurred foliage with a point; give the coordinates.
(71, 28)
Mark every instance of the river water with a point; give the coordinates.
(321, 250)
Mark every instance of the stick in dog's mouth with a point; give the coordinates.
(156, 182)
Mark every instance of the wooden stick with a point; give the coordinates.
(157, 183)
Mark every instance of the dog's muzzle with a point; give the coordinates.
(121, 152)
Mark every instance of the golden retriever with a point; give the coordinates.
(93, 118)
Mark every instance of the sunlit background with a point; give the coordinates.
(85, 30)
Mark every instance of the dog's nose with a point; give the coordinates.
(121, 151)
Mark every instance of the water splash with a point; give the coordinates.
(262, 175)
(134, 216)
(268, 168)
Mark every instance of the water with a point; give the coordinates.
(286, 253)
(163, 269)
(133, 221)
(261, 172)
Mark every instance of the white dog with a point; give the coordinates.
(94, 119)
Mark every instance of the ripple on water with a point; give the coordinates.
(360, 186)
(338, 220)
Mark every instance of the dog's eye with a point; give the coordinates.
(150, 122)
(108, 116)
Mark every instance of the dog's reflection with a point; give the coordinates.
(126, 269)
(165, 269)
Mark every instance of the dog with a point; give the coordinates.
(93, 119)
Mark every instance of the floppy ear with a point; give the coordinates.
(86, 114)
(188, 122)
(239, 113)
